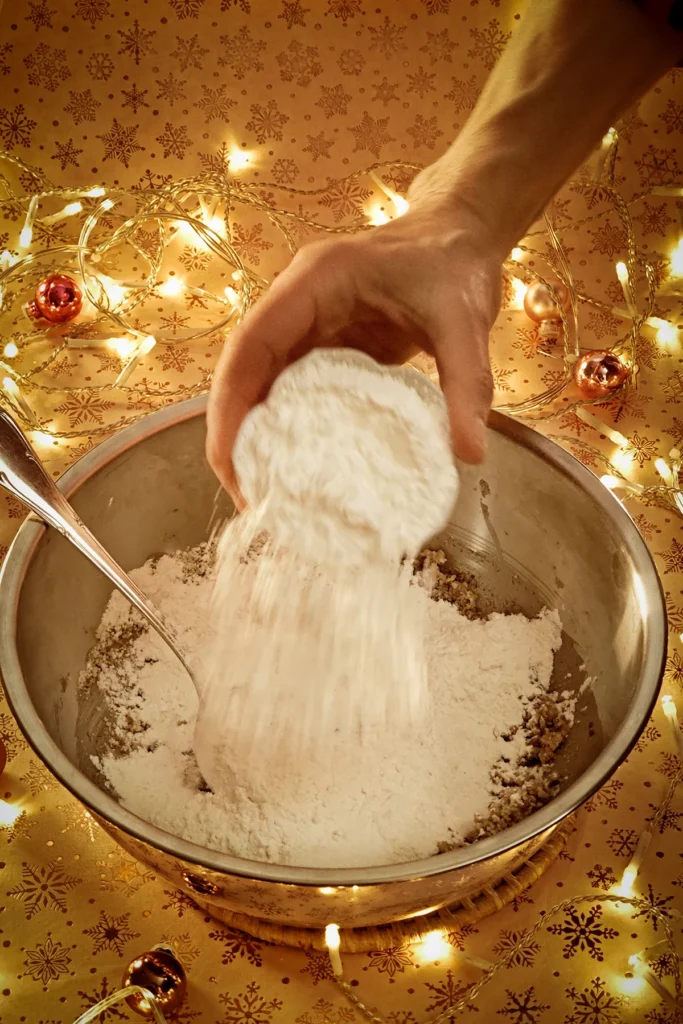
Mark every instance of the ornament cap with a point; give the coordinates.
(159, 972)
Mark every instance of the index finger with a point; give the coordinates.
(256, 352)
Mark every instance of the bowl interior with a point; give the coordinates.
(533, 524)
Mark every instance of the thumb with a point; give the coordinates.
(467, 383)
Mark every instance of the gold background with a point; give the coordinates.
(105, 91)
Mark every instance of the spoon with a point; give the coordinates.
(22, 474)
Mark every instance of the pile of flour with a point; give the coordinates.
(359, 802)
(349, 468)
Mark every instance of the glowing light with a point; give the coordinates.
(631, 986)
(518, 293)
(609, 137)
(611, 482)
(328, 890)
(10, 350)
(25, 238)
(676, 260)
(667, 333)
(7, 260)
(145, 347)
(377, 216)
(9, 814)
(217, 224)
(625, 282)
(94, 193)
(434, 946)
(627, 880)
(72, 209)
(174, 286)
(107, 204)
(400, 204)
(234, 300)
(238, 159)
(516, 253)
(332, 942)
(664, 471)
(123, 347)
(622, 461)
(44, 439)
(115, 293)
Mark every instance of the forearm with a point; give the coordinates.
(571, 68)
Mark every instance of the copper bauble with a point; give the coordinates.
(540, 304)
(58, 299)
(162, 974)
(599, 373)
(3, 757)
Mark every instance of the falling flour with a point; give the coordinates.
(362, 801)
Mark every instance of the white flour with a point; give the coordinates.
(348, 466)
(360, 802)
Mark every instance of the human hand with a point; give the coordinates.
(424, 281)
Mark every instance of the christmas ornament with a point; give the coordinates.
(162, 974)
(58, 299)
(599, 373)
(3, 757)
(541, 306)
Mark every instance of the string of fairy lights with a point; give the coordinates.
(62, 289)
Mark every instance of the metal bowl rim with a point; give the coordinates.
(16, 564)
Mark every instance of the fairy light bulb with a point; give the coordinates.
(95, 193)
(123, 347)
(433, 946)
(25, 237)
(8, 814)
(519, 290)
(610, 482)
(377, 216)
(169, 289)
(332, 942)
(107, 204)
(516, 254)
(10, 350)
(676, 260)
(664, 471)
(238, 159)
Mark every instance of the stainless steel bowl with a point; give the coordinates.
(534, 524)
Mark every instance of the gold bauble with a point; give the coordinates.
(599, 373)
(540, 304)
(162, 974)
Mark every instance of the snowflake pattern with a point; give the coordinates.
(267, 121)
(239, 945)
(421, 83)
(174, 140)
(241, 53)
(523, 1007)
(92, 10)
(187, 8)
(439, 46)
(672, 557)
(464, 93)
(344, 9)
(318, 966)
(371, 134)
(489, 43)
(583, 932)
(424, 132)
(47, 67)
(101, 992)
(82, 106)
(388, 38)
(392, 961)
(594, 1005)
(345, 198)
(47, 961)
(318, 146)
(524, 956)
(299, 63)
(189, 53)
(84, 407)
(333, 100)
(293, 13)
(446, 993)
(215, 104)
(111, 933)
(137, 42)
(601, 877)
(134, 98)
(15, 127)
(324, 1012)
(100, 67)
(43, 887)
(66, 154)
(40, 14)
(120, 142)
(351, 62)
(249, 1007)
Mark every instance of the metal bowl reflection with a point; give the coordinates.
(534, 524)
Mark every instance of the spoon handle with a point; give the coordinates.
(22, 474)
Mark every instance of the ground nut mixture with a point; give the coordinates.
(479, 758)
